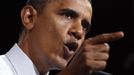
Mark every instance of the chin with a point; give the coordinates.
(58, 67)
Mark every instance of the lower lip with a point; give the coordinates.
(68, 53)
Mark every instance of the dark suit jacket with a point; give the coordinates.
(54, 72)
(101, 73)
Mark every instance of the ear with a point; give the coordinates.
(28, 16)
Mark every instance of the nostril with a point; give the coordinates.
(75, 34)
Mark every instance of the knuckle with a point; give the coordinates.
(103, 36)
(106, 57)
(102, 65)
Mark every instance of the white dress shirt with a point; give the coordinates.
(16, 62)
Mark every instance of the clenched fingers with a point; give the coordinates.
(96, 56)
(104, 47)
(96, 65)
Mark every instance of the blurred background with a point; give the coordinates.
(108, 16)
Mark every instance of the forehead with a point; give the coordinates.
(80, 6)
(76, 4)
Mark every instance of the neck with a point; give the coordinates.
(41, 65)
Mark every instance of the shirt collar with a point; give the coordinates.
(21, 62)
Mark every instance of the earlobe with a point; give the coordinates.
(28, 16)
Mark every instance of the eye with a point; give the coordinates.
(86, 25)
(68, 15)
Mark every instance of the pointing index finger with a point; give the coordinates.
(107, 37)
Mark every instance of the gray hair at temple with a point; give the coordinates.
(39, 4)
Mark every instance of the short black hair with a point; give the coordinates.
(40, 4)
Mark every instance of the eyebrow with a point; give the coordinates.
(74, 14)
(70, 11)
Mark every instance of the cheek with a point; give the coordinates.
(61, 25)
(46, 38)
(50, 34)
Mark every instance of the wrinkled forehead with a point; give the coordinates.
(50, 0)
(73, 4)
(77, 4)
(81, 3)
(67, 2)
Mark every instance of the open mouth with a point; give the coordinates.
(69, 49)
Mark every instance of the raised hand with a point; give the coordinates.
(92, 56)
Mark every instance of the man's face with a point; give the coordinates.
(60, 30)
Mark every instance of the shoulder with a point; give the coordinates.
(101, 73)
(5, 66)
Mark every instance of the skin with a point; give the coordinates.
(45, 36)
(92, 56)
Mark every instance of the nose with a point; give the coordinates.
(76, 31)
